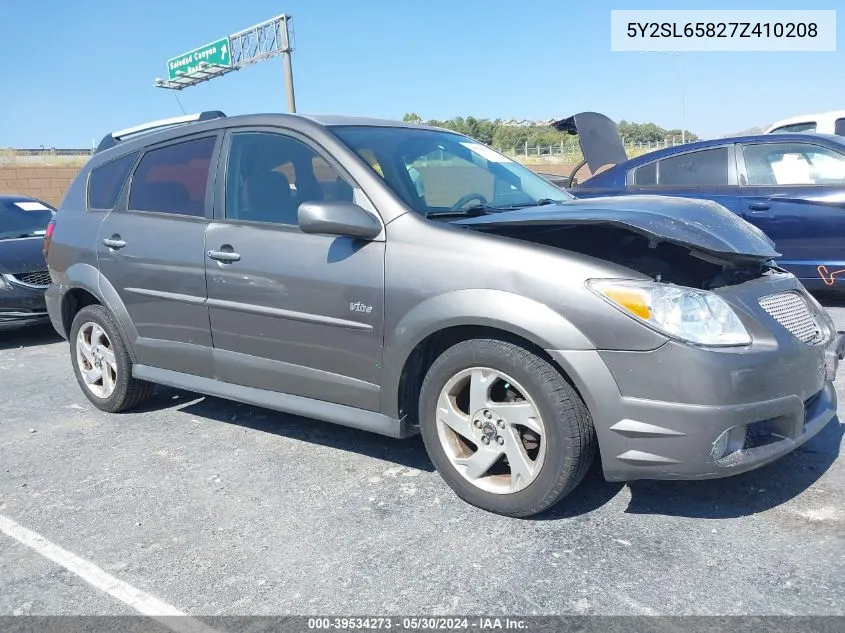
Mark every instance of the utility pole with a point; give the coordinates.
(286, 50)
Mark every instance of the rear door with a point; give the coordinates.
(291, 312)
(795, 192)
(151, 249)
(708, 173)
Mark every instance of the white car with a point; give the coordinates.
(822, 123)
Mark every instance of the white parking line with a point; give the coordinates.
(97, 577)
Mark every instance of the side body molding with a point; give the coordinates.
(498, 309)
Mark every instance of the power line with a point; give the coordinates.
(179, 102)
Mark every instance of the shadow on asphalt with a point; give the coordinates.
(593, 492)
(741, 495)
(730, 497)
(409, 452)
(30, 336)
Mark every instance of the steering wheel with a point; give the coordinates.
(460, 204)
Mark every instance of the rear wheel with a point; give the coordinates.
(504, 429)
(101, 362)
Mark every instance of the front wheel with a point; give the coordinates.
(504, 429)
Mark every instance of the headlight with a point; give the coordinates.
(695, 316)
(4, 285)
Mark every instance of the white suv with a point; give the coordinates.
(823, 123)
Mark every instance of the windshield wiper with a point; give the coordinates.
(542, 202)
(470, 211)
(483, 209)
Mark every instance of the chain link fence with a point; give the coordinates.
(572, 150)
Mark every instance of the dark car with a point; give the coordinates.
(23, 270)
(790, 185)
(401, 278)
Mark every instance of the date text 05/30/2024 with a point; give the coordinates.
(480, 623)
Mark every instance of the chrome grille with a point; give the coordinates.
(35, 278)
(792, 312)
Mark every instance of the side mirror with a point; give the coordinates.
(338, 218)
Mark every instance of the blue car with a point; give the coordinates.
(792, 186)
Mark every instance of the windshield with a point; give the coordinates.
(23, 218)
(436, 172)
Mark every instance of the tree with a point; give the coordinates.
(505, 136)
(648, 133)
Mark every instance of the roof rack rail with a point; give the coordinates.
(110, 140)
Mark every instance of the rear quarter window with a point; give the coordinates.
(645, 175)
(106, 181)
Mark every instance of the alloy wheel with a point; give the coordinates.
(491, 430)
(95, 359)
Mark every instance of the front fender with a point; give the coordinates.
(513, 313)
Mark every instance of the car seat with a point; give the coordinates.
(270, 199)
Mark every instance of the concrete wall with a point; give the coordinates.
(45, 183)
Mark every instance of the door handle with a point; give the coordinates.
(114, 242)
(226, 257)
(759, 206)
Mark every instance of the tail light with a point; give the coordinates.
(48, 237)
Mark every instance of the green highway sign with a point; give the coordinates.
(218, 53)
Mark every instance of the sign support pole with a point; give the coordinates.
(286, 49)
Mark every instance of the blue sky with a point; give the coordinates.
(73, 71)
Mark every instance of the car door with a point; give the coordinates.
(291, 312)
(707, 173)
(152, 251)
(795, 192)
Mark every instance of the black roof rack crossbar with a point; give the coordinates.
(110, 140)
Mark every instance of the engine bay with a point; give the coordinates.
(661, 260)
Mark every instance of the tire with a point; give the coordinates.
(89, 359)
(564, 451)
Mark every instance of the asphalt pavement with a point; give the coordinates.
(216, 508)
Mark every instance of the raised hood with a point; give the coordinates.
(702, 225)
(598, 137)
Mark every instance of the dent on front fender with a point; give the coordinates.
(512, 313)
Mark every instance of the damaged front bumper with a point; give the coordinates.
(680, 412)
(834, 353)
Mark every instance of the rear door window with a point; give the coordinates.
(173, 179)
(708, 167)
(106, 181)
